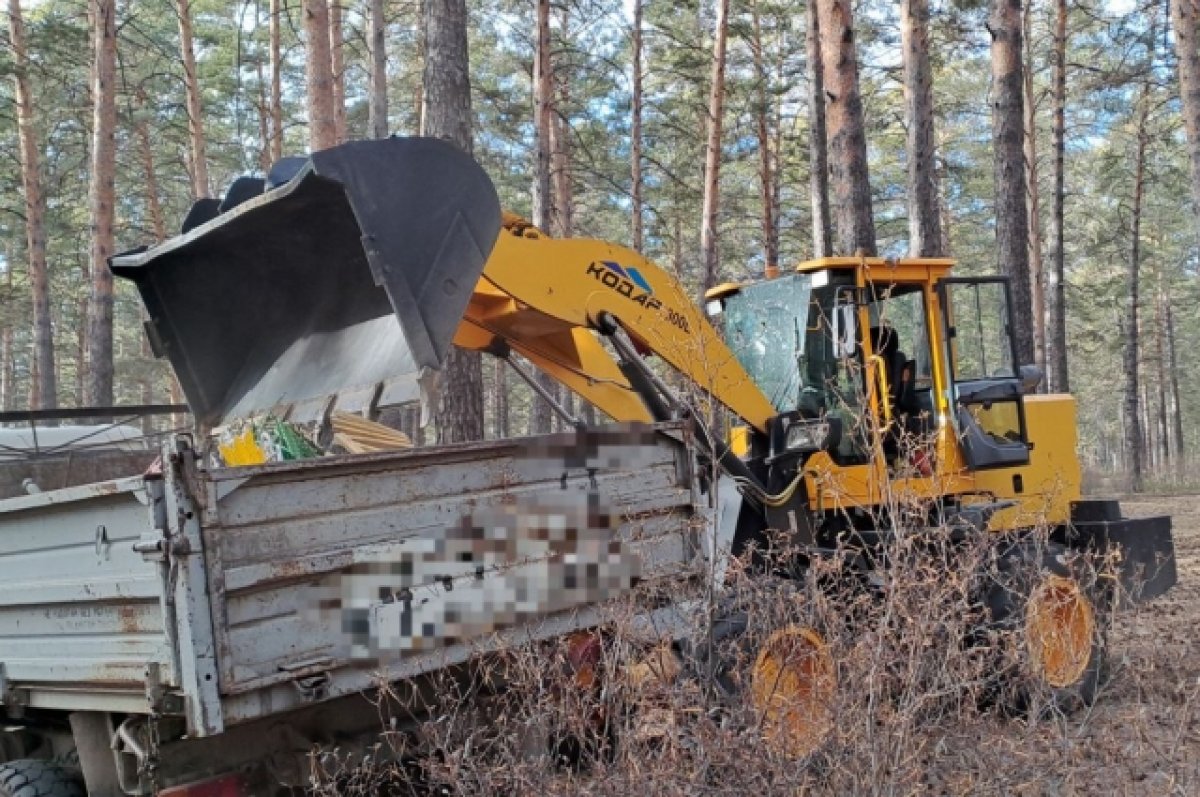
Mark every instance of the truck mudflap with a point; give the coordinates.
(292, 296)
(1146, 565)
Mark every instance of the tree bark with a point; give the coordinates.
(7, 371)
(264, 119)
(501, 423)
(195, 105)
(99, 391)
(1176, 405)
(276, 83)
(1032, 205)
(337, 66)
(378, 108)
(541, 417)
(159, 227)
(924, 220)
(1012, 219)
(818, 151)
(762, 127)
(1185, 14)
(712, 151)
(1163, 394)
(543, 110)
(446, 113)
(562, 177)
(158, 222)
(44, 387)
(322, 126)
(853, 218)
(1134, 441)
(1058, 379)
(637, 210)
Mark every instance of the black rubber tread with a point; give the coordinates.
(1018, 569)
(29, 777)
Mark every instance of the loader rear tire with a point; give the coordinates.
(29, 777)
(1048, 615)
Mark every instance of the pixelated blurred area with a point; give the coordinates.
(497, 567)
(618, 445)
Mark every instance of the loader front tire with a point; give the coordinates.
(1048, 620)
(786, 677)
(29, 777)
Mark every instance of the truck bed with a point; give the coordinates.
(245, 596)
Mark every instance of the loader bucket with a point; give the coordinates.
(348, 279)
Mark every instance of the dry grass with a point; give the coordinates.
(915, 712)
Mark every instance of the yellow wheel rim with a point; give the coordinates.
(792, 688)
(1060, 625)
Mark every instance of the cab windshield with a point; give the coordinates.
(800, 345)
(783, 333)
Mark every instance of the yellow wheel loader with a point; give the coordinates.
(843, 389)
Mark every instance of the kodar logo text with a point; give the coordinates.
(625, 280)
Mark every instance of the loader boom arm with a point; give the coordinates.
(545, 298)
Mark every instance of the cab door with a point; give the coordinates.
(986, 387)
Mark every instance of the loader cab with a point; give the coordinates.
(896, 354)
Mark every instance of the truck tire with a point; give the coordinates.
(1044, 607)
(29, 777)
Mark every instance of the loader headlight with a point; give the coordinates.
(812, 435)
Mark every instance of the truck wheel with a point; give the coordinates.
(31, 777)
(1044, 607)
(788, 679)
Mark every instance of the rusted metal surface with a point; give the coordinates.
(211, 579)
(80, 611)
(277, 533)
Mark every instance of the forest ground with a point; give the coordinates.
(1142, 737)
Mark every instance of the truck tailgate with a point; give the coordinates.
(81, 616)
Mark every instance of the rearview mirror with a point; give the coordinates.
(844, 331)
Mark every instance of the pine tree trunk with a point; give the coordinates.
(82, 314)
(1058, 379)
(712, 151)
(195, 107)
(1134, 441)
(562, 178)
(543, 99)
(264, 119)
(102, 197)
(762, 128)
(1176, 405)
(924, 220)
(7, 371)
(1008, 124)
(322, 126)
(44, 387)
(637, 211)
(153, 204)
(337, 65)
(818, 149)
(541, 415)
(1032, 206)
(561, 174)
(446, 113)
(378, 108)
(849, 181)
(276, 83)
(1185, 15)
(1162, 394)
(159, 225)
(501, 423)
